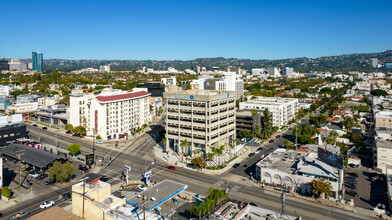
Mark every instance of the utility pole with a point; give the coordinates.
(94, 149)
(283, 198)
(57, 145)
(20, 153)
(84, 185)
(296, 131)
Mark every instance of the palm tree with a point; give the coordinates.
(321, 187)
(333, 135)
(184, 144)
(163, 141)
(219, 152)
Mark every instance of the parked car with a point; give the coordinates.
(271, 141)
(33, 174)
(353, 174)
(67, 195)
(42, 176)
(351, 192)
(171, 167)
(351, 186)
(68, 132)
(236, 165)
(35, 125)
(49, 182)
(83, 168)
(251, 155)
(99, 142)
(277, 136)
(377, 178)
(46, 204)
(21, 214)
(45, 128)
(142, 187)
(258, 150)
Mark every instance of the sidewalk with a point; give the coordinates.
(174, 159)
(327, 202)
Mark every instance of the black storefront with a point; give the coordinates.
(10, 133)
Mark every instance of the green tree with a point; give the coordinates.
(332, 136)
(199, 162)
(6, 192)
(244, 134)
(80, 130)
(379, 92)
(68, 127)
(348, 123)
(60, 171)
(321, 187)
(257, 129)
(254, 112)
(318, 120)
(73, 149)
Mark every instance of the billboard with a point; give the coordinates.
(11, 119)
(89, 160)
(330, 158)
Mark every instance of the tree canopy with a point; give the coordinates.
(379, 92)
(73, 149)
(61, 171)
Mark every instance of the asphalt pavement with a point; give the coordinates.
(139, 155)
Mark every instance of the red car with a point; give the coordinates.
(171, 167)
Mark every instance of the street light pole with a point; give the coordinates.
(57, 145)
(94, 149)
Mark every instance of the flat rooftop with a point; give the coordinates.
(162, 192)
(282, 159)
(199, 95)
(384, 144)
(36, 157)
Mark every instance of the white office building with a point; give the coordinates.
(169, 81)
(230, 82)
(105, 69)
(283, 110)
(274, 72)
(112, 114)
(204, 118)
(4, 90)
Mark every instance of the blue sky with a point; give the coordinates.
(168, 30)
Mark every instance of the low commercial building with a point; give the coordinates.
(23, 107)
(203, 118)
(282, 110)
(92, 199)
(112, 114)
(295, 171)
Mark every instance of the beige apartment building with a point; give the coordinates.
(202, 117)
(383, 155)
(383, 119)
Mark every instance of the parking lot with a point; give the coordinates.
(370, 193)
(30, 179)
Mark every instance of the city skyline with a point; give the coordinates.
(190, 30)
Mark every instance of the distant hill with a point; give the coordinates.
(341, 63)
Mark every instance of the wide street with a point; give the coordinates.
(139, 154)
